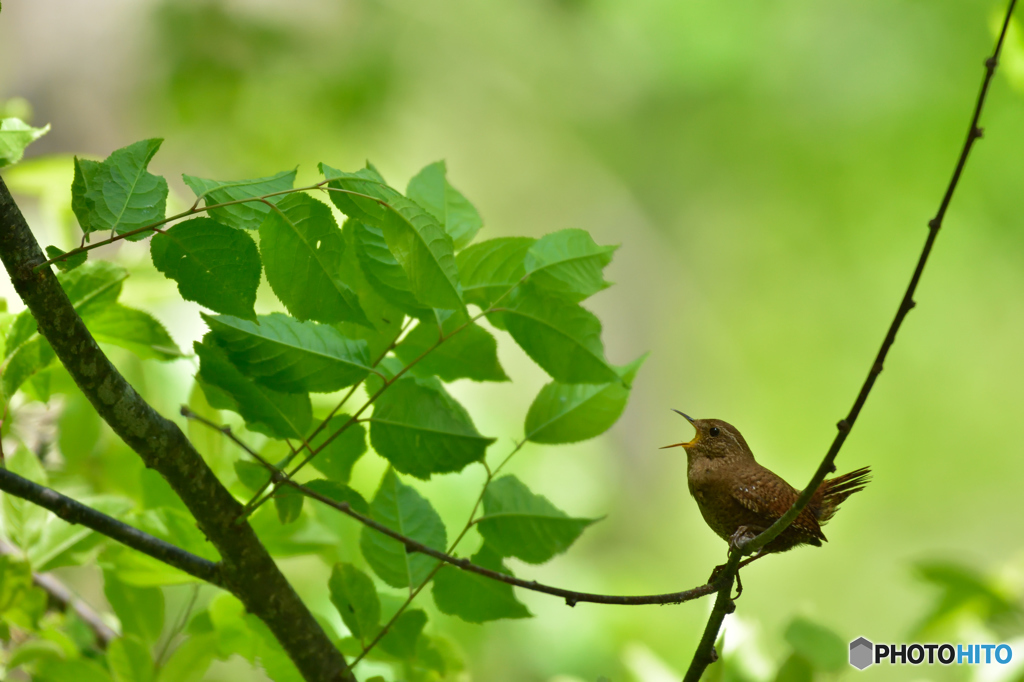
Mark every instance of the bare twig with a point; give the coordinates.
(702, 657)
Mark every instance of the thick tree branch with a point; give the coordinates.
(247, 569)
(73, 511)
(702, 657)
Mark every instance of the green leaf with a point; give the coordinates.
(66, 264)
(430, 189)
(414, 237)
(61, 543)
(422, 430)
(214, 265)
(302, 248)
(190, 660)
(963, 588)
(490, 269)
(475, 598)
(119, 194)
(24, 521)
(472, 353)
(385, 318)
(569, 263)
(822, 647)
(89, 288)
(405, 511)
(27, 361)
(79, 670)
(381, 269)
(15, 582)
(275, 414)
(569, 413)
(291, 356)
(288, 502)
(130, 661)
(796, 668)
(140, 609)
(355, 597)
(401, 639)
(339, 492)
(15, 135)
(245, 216)
(252, 475)
(518, 523)
(337, 459)
(562, 337)
(33, 650)
(134, 330)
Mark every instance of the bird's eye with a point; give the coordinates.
(713, 431)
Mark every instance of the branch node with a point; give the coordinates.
(991, 63)
(843, 425)
(977, 132)
(569, 601)
(934, 223)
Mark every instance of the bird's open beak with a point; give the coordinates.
(687, 443)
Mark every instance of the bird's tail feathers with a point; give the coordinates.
(839, 488)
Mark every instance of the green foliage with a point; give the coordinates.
(821, 647)
(475, 598)
(291, 356)
(336, 459)
(301, 247)
(246, 215)
(355, 597)
(430, 189)
(15, 135)
(561, 336)
(275, 414)
(568, 262)
(402, 509)
(422, 430)
(518, 523)
(568, 413)
(214, 265)
(377, 326)
(93, 290)
(119, 194)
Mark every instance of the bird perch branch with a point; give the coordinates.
(704, 656)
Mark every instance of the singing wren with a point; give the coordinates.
(740, 498)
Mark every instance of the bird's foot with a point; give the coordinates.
(743, 535)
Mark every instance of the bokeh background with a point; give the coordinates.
(768, 169)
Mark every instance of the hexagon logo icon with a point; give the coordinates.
(861, 653)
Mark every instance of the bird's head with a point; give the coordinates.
(714, 439)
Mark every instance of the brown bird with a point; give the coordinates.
(740, 498)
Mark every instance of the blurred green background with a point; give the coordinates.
(768, 168)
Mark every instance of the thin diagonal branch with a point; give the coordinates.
(571, 597)
(73, 511)
(702, 657)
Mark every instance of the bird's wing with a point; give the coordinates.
(768, 496)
